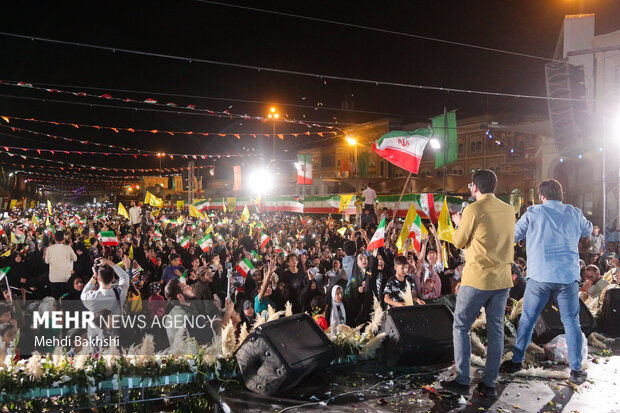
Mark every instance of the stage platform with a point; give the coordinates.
(369, 387)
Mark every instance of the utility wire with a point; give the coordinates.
(259, 102)
(376, 29)
(288, 72)
(139, 109)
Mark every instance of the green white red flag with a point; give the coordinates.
(108, 238)
(378, 239)
(244, 267)
(264, 239)
(206, 243)
(185, 242)
(403, 149)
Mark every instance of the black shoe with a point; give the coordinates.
(510, 366)
(486, 391)
(454, 387)
(578, 377)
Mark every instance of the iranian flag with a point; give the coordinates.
(100, 216)
(427, 203)
(415, 233)
(244, 267)
(202, 205)
(185, 242)
(108, 238)
(3, 272)
(206, 243)
(403, 149)
(304, 168)
(378, 238)
(1, 231)
(264, 239)
(255, 255)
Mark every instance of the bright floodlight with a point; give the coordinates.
(351, 141)
(261, 181)
(435, 144)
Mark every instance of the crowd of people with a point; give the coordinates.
(161, 265)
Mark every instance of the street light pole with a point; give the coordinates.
(357, 172)
(273, 115)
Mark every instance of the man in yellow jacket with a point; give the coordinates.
(486, 231)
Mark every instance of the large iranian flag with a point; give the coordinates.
(244, 267)
(304, 168)
(403, 149)
(206, 243)
(378, 238)
(108, 238)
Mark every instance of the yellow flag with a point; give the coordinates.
(210, 229)
(345, 200)
(194, 212)
(444, 252)
(13, 204)
(6, 254)
(445, 229)
(413, 224)
(180, 220)
(342, 230)
(152, 200)
(224, 205)
(35, 220)
(49, 207)
(156, 212)
(122, 211)
(245, 215)
(47, 221)
(181, 205)
(130, 252)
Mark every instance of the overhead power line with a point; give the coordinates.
(285, 71)
(377, 29)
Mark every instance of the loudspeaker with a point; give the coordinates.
(610, 313)
(279, 354)
(417, 335)
(549, 324)
(568, 112)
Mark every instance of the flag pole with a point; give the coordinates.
(401, 196)
(445, 148)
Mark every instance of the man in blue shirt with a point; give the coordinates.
(552, 232)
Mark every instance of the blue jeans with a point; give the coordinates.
(469, 301)
(536, 296)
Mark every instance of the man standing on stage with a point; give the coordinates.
(369, 201)
(486, 231)
(552, 232)
(135, 215)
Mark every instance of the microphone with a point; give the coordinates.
(463, 205)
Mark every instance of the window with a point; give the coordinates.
(328, 159)
(457, 170)
(475, 146)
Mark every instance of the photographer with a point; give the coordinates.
(107, 297)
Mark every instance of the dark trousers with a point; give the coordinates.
(58, 289)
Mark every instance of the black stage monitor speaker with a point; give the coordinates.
(279, 354)
(417, 335)
(549, 324)
(610, 313)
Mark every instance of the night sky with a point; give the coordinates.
(207, 31)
